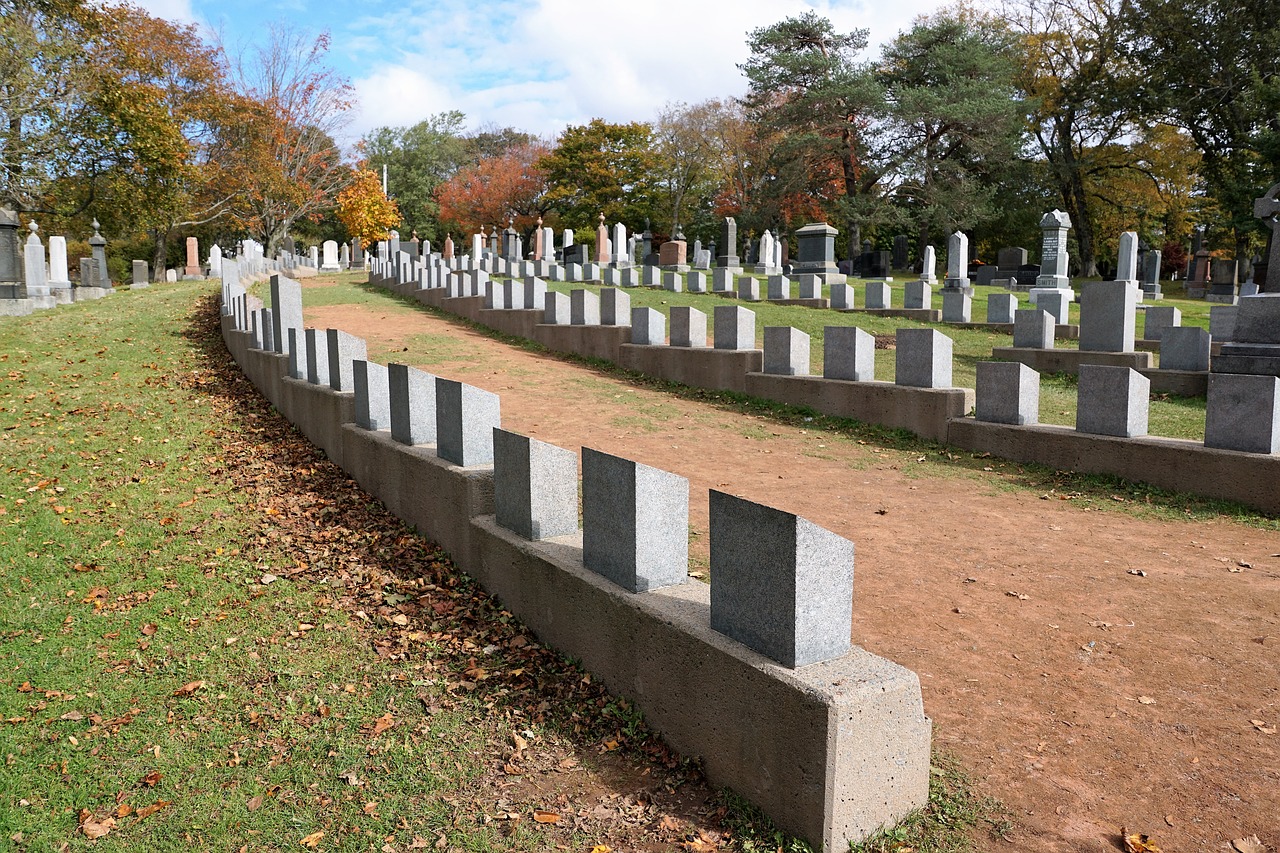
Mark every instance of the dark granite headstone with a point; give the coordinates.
(901, 255)
(13, 279)
(1027, 275)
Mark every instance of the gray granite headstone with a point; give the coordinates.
(297, 355)
(848, 353)
(535, 486)
(1185, 348)
(1242, 412)
(841, 296)
(1008, 392)
(343, 349)
(635, 522)
(373, 403)
(879, 295)
(735, 327)
(615, 307)
(412, 396)
(749, 289)
(584, 308)
(557, 310)
(1112, 401)
(1158, 319)
(317, 356)
(779, 287)
(917, 295)
(648, 327)
(286, 309)
(696, 282)
(923, 359)
(1000, 307)
(1108, 312)
(1222, 322)
(673, 282)
(1057, 301)
(1033, 328)
(786, 351)
(535, 292)
(957, 306)
(810, 286)
(780, 584)
(722, 280)
(141, 274)
(688, 327)
(465, 418)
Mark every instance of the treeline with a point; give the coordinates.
(109, 113)
(1147, 115)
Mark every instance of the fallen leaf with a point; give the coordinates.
(151, 778)
(254, 803)
(1252, 844)
(148, 629)
(370, 807)
(383, 723)
(92, 827)
(350, 778)
(312, 840)
(1137, 842)
(188, 688)
(546, 817)
(602, 848)
(148, 811)
(123, 810)
(267, 580)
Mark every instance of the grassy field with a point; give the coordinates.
(213, 640)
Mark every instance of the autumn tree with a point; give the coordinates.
(364, 209)
(293, 166)
(688, 161)
(418, 159)
(510, 185)
(173, 99)
(1083, 92)
(603, 168)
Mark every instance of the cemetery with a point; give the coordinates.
(461, 485)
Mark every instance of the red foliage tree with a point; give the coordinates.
(496, 189)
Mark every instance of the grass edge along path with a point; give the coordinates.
(212, 638)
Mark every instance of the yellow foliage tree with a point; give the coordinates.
(365, 210)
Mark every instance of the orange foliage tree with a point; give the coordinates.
(496, 189)
(364, 209)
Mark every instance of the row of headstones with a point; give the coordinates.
(1242, 412)
(48, 275)
(634, 517)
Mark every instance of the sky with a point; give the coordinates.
(537, 65)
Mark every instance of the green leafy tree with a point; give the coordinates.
(808, 87)
(419, 159)
(1212, 68)
(954, 117)
(603, 168)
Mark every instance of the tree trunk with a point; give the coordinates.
(159, 252)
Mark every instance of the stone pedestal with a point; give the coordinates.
(1255, 347)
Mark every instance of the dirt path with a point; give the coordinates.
(1083, 695)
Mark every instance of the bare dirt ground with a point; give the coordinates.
(1092, 668)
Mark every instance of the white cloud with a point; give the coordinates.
(541, 65)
